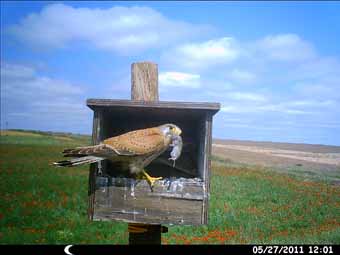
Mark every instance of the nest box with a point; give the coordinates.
(181, 197)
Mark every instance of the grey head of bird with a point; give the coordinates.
(170, 130)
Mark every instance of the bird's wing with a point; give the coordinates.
(101, 150)
(139, 142)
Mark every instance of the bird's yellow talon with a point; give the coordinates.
(151, 180)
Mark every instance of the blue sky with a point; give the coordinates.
(273, 66)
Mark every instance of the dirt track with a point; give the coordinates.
(279, 154)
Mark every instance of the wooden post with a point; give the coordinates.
(144, 87)
(144, 81)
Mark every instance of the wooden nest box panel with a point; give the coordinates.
(181, 197)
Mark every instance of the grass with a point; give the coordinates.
(248, 204)
(41, 138)
(256, 205)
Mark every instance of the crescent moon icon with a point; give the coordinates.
(67, 250)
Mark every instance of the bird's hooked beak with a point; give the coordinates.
(177, 131)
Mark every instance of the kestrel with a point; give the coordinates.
(136, 148)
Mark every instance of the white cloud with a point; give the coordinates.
(232, 109)
(313, 103)
(16, 71)
(27, 97)
(20, 80)
(281, 108)
(246, 96)
(242, 76)
(252, 126)
(177, 79)
(286, 47)
(274, 108)
(203, 55)
(121, 29)
(254, 103)
(279, 74)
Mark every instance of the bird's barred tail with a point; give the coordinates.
(83, 151)
(78, 161)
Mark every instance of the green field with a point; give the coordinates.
(42, 204)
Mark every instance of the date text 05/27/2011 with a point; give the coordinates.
(293, 249)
